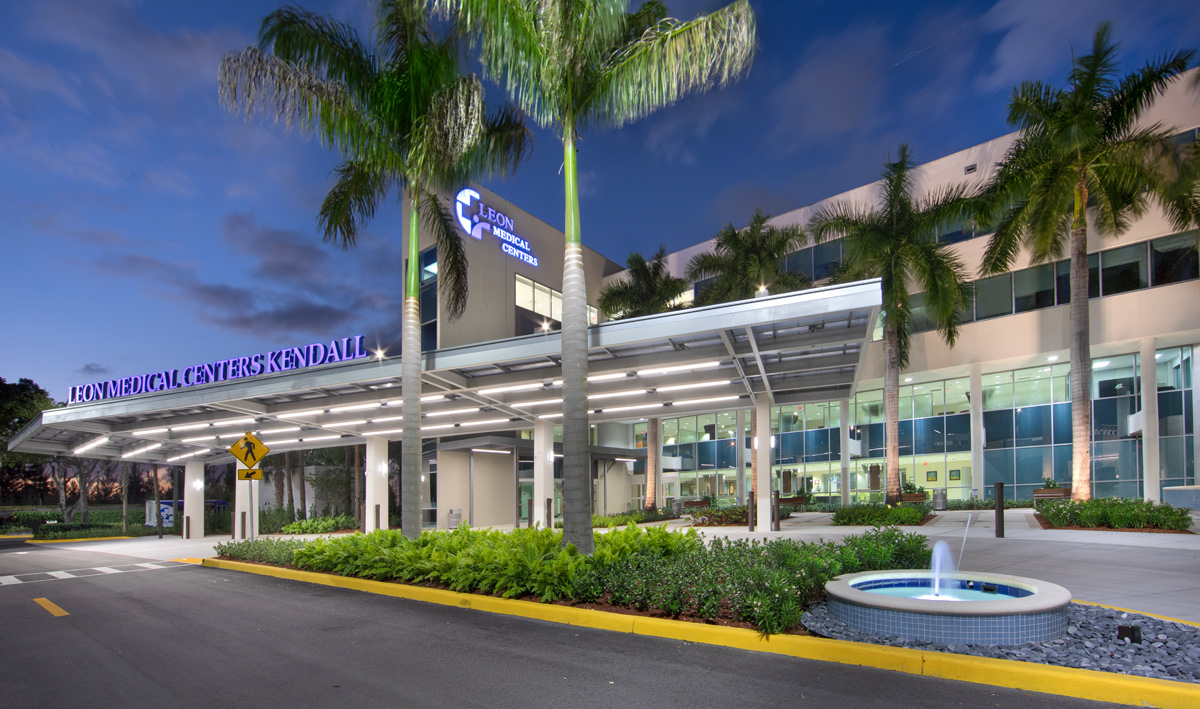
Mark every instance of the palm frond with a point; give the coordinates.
(352, 201)
(672, 59)
(452, 256)
(319, 44)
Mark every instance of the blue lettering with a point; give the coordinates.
(256, 365)
(273, 363)
(174, 379)
(300, 357)
(154, 381)
(189, 376)
(316, 353)
(358, 348)
(334, 354)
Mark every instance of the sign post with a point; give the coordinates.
(249, 450)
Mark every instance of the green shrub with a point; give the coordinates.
(137, 515)
(272, 520)
(321, 525)
(985, 504)
(76, 531)
(269, 550)
(880, 515)
(1115, 513)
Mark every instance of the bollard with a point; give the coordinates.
(187, 527)
(775, 521)
(751, 508)
(999, 510)
(243, 525)
(549, 513)
(376, 516)
(529, 513)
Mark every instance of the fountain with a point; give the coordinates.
(946, 606)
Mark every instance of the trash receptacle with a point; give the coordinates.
(454, 518)
(939, 500)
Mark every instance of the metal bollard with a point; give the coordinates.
(775, 521)
(549, 513)
(999, 510)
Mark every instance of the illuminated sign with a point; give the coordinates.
(343, 350)
(475, 218)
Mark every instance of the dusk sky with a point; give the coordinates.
(144, 227)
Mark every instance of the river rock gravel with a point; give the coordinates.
(1168, 650)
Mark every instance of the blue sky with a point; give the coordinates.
(144, 227)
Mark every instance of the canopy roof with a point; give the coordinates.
(791, 348)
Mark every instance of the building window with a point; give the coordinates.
(1033, 288)
(1124, 269)
(427, 300)
(993, 296)
(1174, 259)
(544, 301)
(826, 258)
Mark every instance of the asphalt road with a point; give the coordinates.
(187, 636)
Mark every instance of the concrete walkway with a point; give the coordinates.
(1154, 573)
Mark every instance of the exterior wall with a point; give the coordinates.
(495, 490)
(453, 490)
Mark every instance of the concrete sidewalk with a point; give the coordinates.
(1153, 573)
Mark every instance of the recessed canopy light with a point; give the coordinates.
(1052, 358)
(1101, 364)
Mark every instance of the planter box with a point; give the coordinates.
(913, 497)
(1052, 493)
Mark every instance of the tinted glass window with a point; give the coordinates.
(706, 453)
(1034, 465)
(1170, 413)
(726, 454)
(921, 320)
(929, 435)
(1033, 426)
(1033, 288)
(998, 468)
(1062, 274)
(993, 296)
(826, 257)
(429, 336)
(1124, 269)
(998, 429)
(791, 447)
(816, 444)
(906, 437)
(958, 433)
(1062, 423)
(1062, 465)
(801, 262)
(1174, 259)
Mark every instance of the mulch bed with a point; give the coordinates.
(1148, 530)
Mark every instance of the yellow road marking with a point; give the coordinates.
(48, 605)
(188, 560)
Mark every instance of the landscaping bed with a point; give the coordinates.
(763, 585)
(1113, 514)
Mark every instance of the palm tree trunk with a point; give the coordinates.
(125, 498)
(291, 479)
(891, 410)
(1081, 366)
(157, 503)
(577, 478)
(303, 491)
(653, 461)
(278, 477)
(410, 377)
(358, 486)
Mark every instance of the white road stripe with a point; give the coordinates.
(107, 570)
(61, 574)
(6, 580)
(150, 566)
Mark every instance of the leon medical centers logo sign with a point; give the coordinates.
(343, 350)
(475, 218)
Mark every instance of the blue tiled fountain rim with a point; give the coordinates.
(1015, 629)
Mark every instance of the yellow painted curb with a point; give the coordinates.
(1034, 677)
(71, 541)
(189, 560)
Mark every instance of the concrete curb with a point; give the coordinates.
(71, 541)
(1063, 681)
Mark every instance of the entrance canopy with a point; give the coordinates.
(791, 349)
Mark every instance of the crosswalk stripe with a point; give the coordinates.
(6, 580)
(107, 570)
(61, 574)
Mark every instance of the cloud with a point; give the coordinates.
(836, 88)
(674, 134)
(171, 180)
(19, 75)
(92, 369)
(286, 257)
(153, 63)
(589, 183)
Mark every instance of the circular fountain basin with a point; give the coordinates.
(973, 608)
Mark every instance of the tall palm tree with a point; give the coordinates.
(1081, 153)
(897, 243)
(402, 116)
(649, 288)
(570, 63)
(745, 261)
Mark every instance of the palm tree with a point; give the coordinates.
(747, 261)
(402, 117)
(648, 289)
(897, 243)
(569, 63)
(1081, 153)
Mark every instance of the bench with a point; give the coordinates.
(793, 501)
(694, 504)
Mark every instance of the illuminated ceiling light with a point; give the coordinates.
(538, 402)
(190, 427)
(697, 385)
(514, 387)
(234, 422)
(344, 423)
(280, 442)
(149, 431)
(626, 460)
(308, 439)
(545, 326)
(432, 397)
(631, 408)
(296, 414)
(437, 427)
(139, 451)
(385, 419)
(358, 407)
(379, 355)
(285, 429)
(198, 438)
(550, 416)
(484, 422)
(907, 380)
(710, 400)
(393, 432)
(1052, 358)
(181, 457)
(607, 377)
(615, 394)
(88, 446)
(231, 435)
(489, 450)
(451, 412)
(1101, 364)
(680, 368)
(1158, 355)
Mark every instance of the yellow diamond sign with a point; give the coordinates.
(250, 474)
(249, 450)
